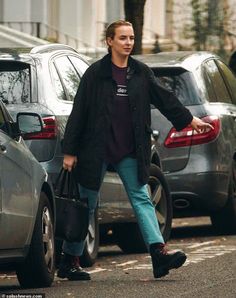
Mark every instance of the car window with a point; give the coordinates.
(57, 84)
(79, 64)
(221, 92)
(229, 77)
(181, 82)
(14, 82)
(208, 84)
(68, 76)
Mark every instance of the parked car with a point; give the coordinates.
(45, 80)
(26, 204)
(200, 167)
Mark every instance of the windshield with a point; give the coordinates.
(181, 82)
(14, 82)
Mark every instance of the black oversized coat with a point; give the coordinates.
(88, 124)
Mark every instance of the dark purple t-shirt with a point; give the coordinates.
(121, 137)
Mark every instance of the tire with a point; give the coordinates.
(39, 266)
(224, 220)
(90, 252)
(128, 236)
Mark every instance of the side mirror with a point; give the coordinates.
(29, 123)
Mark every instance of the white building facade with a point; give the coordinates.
(81, 23)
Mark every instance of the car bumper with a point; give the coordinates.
(202, 192)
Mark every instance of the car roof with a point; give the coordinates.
(16, 54)
(26, 54)
(184, 59)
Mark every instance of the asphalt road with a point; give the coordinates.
(210, 270)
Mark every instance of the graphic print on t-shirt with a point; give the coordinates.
(121, 90)
(120, 138)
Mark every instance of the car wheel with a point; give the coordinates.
(39, 266)
(161, 198)
(128, 236)
(224, 220)
(91, 243)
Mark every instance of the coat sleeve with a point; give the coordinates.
(168, 104)
(77, 119)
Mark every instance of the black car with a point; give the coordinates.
(200, 167)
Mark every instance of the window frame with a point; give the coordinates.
(207, 73)
(171, 72)
(233, 98)
(80, 74)
(61, 82)
(31, 71)
(53, 61)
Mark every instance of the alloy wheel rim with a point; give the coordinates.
(91, 235)
(48, 239)
(158, 198)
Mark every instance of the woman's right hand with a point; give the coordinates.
(69, 162)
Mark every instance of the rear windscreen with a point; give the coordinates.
(14, 82)
(181, 82)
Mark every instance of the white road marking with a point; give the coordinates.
(196, 253)
(201, 244)
(141, 266)
(6, 276)
(187, 244)
(208, 252)
(126, 263)
(96, 270)
(193, 257)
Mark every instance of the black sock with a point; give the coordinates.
(155, 246)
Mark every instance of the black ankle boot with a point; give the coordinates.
(162, 261)
(69, 267)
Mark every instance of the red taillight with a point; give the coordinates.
(189, 137)
(49, 130)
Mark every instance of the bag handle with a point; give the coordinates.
(66, 181)
(60, 182)
(73, 188)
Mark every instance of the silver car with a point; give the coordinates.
(26, 204)
(200, 167)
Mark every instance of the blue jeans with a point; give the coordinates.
(139, 199)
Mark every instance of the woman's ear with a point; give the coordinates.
(109, 41)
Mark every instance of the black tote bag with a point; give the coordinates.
(72, 212)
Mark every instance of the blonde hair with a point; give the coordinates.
(111, 29)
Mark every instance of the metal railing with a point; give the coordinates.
(52, 34)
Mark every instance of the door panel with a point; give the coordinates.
(110, 198)
(15, 194)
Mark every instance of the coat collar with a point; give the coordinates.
(106, 69)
